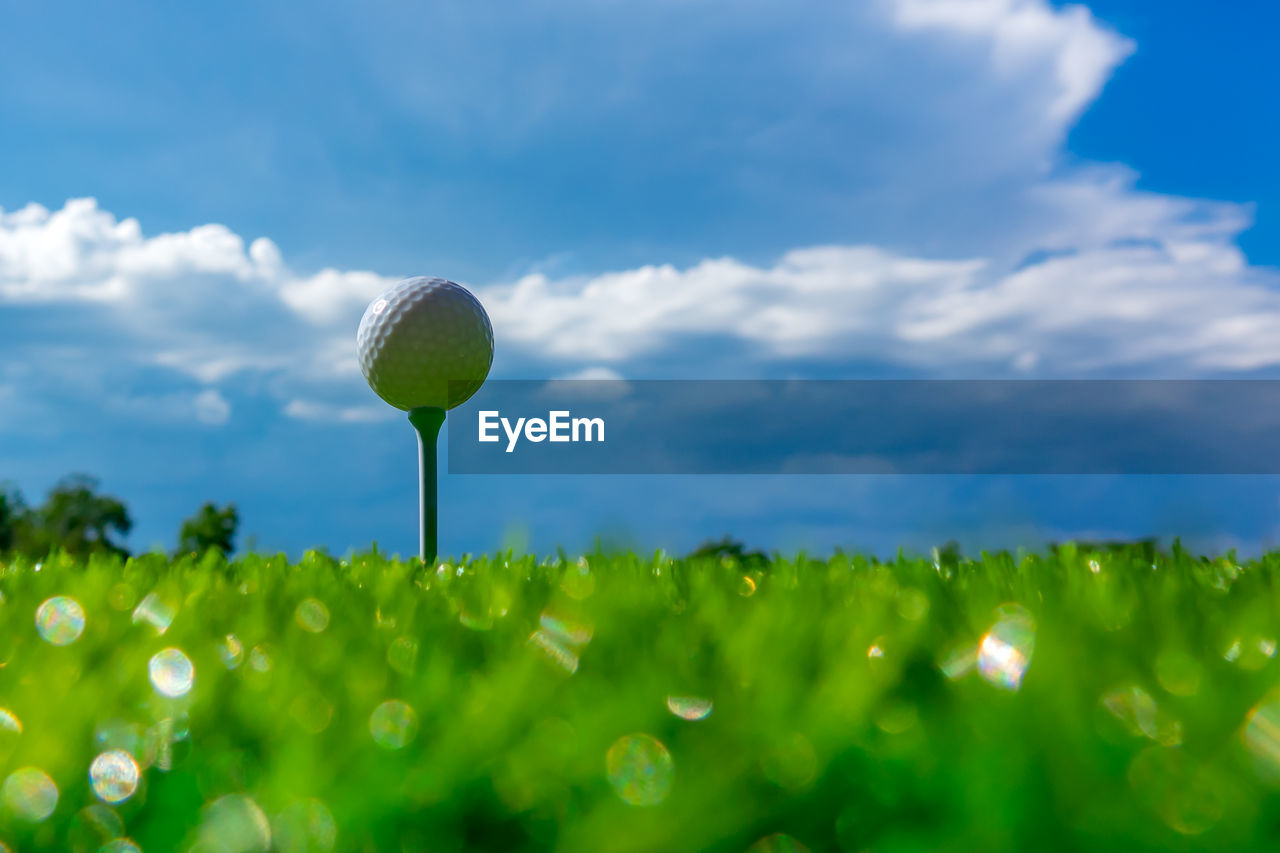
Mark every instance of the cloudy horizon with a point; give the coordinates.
(870, 190)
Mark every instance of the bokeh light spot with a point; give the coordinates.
(260, 659)
(235, 823)
(1140, 715)
(306, 826)
(9, 722)
(393, 724)
(30, 794)
(155, 610)
(576, 633)
(113, 775)
(1004, 653)
(640, 769)
(93, 826)
(561, 639)
(172, 672)
(60, 620)
(312, 615)
(777, 843)
(1178, 672)
(1186, 795)
(402, 655)
(120, 845)
(231, 651)
(1262, 737)
(689, 707)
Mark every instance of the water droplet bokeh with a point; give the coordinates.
(30, 794)
(393, 724)
(120, 845)
(113, 775)
(231, 651)
(9, 722)
(1004, 653)
(556, 649)
(1178, 672)
(260, 659)
(1262, 737)
(777, 843)
(60, 620)
(402, 655)
(1183, 792)
(93, 826)
(689, 707)
(312, 615)
(1141, 715)
(235, 823)
(156, 611)
(306, 826)
(561, 639)
(172, 673)
(640, 769)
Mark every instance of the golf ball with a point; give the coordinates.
(425, 342)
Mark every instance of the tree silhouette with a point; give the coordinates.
(729, 549)
(209, 528)
(13, 511)
(76, 518)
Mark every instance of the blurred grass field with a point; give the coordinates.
(1116, 699)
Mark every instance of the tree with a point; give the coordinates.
(209, 528)
(729, 549)
(76, 518)
(13, 511)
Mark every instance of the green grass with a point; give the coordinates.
(850, 710)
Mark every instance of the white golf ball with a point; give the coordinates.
(425, 342)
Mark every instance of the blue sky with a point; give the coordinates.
(198, 203)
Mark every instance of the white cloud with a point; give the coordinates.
(331, 296)
(206, 407)
(797, 307)
(212, 408)
(1134, 282)
(82, 253)
(1124, 280)
(311, 410)
(1066, 48)
(593, 374)
(195, 302)
(1075, 272)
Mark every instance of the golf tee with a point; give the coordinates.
(427, 421)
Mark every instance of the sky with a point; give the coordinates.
(197, 203)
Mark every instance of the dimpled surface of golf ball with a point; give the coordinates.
(425, 342)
